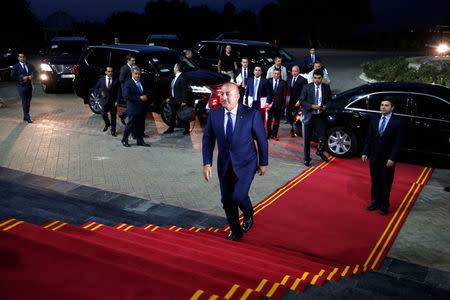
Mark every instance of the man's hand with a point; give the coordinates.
(323, 108)
(364, 158)
(183, 104)
(207, 172)
(297, 103)
(103, 94)
(167, 100)
(267, 105)
(24, 78)
(144, 98)
(390, 163)
(315, 106)
(262, 170)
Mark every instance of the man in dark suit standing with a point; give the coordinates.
(136, 96)
(295, 86)
(311, 58)
(109, 90)
(178, 98)
(125, 75)
(314, 99)
(23, 73)
(382, 146)
(277, 103)
(257, 91)
(235, 127)
(242, 74)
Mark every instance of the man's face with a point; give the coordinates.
(230, 96)
(312, 51)
(22, 58)
(109, 72)
(276, 74)
(228, 49)
(257, 72)
(278, 62)
(189, 54)
(175, 69)
(386, 107)
(116, 40)
(131, 61)
(295, 71)
(136, 75)
(244, 63)
(317, 66)
(317, 79)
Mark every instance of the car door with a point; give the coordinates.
(117, 60)
(431, 124)
(90, 69)
(208, 56)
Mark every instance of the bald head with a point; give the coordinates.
(295, 71)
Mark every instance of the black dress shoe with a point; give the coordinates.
(307, 163)
(105, 128)
(144, 144)
(372, 207)
(29, 120)
(122, 119)
(234, 236)
(247, 224)
(169, 130)
(125, 144)
(186, 132)
(383, 212)
(113, 132)
(293, 134)
(323, 157)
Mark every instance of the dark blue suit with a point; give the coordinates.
(136, 109)
(238, 162)
(24, 88)
(380, 149)
(109, 102)
(264, 90)
(308, 60)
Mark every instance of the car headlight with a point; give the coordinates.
(46, 67)
(200, 89)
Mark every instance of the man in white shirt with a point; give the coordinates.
(326, 78)
(277, 65)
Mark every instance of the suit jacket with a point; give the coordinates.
(18, 72)
(131, 93)
(388, 145)
(308, 60)
(125, 74)
(295, 91)
(239, 71)
(112, 95)
(264, 90)
(308, 98)
(179, 90)
(278, 99)
(242, 152)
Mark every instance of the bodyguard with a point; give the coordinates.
(23, 73)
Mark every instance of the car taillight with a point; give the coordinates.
(74, 69)
(214, 102)
(219, 92)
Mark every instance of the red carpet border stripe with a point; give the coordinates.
(418, 183)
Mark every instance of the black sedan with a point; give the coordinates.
(425, 109)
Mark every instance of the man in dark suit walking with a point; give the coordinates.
(295, 87)
(382, 146)
(277, 103)
(125, 75)
(242, 74)
(311, 58)
(178, 98)
(136, 96)
(314, 99)
(23, 73)
(257, 91)
(109, 90)
(235, 127)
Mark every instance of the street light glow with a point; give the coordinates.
(442, 48)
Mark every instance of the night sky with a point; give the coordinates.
(388, 14)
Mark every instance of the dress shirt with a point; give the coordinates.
(106, 80)
(326, 77)
(140, 84)
(24, 66)
(233, 118)
(319, 100)
(256, 88)
(173, 84)
(388, 117)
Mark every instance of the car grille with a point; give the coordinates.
(63, 69)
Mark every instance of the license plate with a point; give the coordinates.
(68, 76)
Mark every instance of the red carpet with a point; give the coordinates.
(313, 229)
(322, 213)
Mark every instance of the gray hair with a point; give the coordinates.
(135, 69)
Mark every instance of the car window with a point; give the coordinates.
(68, 49)
(431, 107)
(164, 62)
(400, 101)
(208, 51)
(360, 103)
(118, 59)
(98, 58)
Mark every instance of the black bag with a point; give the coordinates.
(186, 114)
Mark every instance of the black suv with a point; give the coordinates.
(425, 109)
(57, 66)
(261, 53)
(156, 64)
(164, 40)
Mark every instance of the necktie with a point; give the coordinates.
(139, 86)
(276, 86)
(316, 102)
(255, 88)
(293, 81)
(25, 68)
(109, 83)
(383, 122)
(229, 128)
(245, 77)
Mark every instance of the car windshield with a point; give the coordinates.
(69, 49)
(164, 62)
(175, 44)
(270, 53)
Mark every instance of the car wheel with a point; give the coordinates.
(166, 112)
(47, 88)
(341, 142)
(94, 102)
